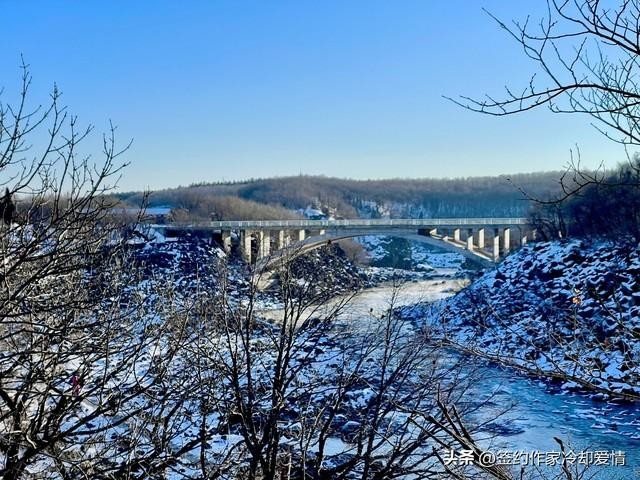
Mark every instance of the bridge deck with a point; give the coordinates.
(345, 224)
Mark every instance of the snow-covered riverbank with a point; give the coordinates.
(570, 311)
(536, 412)
(518, 413)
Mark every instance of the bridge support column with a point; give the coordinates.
(433, 232)
(226, 241)
(264, 244)
(470, 245)
(283, 240)
(456, 234)
(506, 235)
(480, 238)
(302, 234)
(523, 240)
(245, 245)
(496, 247)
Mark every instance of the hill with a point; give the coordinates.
(288, 197)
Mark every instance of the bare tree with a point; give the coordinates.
(85, 359)
(320, 389)
(587, 53)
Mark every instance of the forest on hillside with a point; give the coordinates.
(283, 197)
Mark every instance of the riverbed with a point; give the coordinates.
(536, 411)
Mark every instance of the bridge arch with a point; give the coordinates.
(309, 244)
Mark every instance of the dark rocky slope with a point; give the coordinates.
(569, 311)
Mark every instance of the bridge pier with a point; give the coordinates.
(245, 245)
(470, 245)
(480, 238)
(456, 234)
(496, 246)
(283, 240)
(506, 235)
(526, 236)
(302, 234)
(264, 244)
(226, 240)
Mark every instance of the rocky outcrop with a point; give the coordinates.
(569, 311)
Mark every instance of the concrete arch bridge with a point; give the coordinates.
(266, 242)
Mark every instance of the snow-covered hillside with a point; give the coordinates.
(569, 311)
(393, 252)
(194, 265)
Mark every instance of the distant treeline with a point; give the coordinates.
(601, 204)
(282, 197)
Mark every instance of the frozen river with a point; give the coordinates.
(536, 411)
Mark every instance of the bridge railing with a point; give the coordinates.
(360, 222)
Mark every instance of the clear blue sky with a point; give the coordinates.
(214, 90)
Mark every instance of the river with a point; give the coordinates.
(537, 411)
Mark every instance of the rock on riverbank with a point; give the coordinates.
(567, 310)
